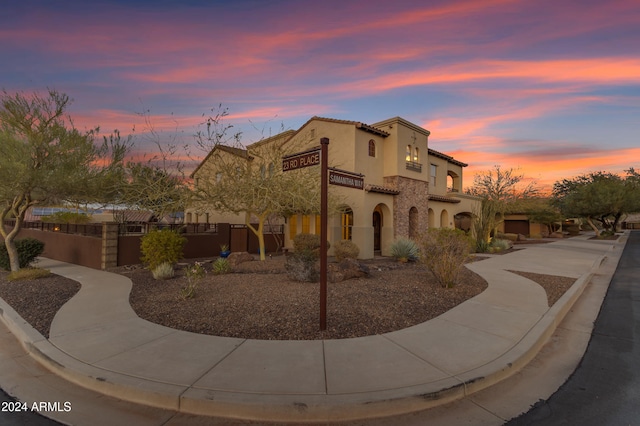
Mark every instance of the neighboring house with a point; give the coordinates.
(632, 221)
(520, 224)
(407, 186)
(127, 216)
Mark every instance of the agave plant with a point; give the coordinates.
(405, 250)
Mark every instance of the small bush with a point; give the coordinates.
(27, 274)
(500, 245)
(28, 249)
(404, 250)
(302, 265)
(444, 251)
(345, 249)
(163, 271)
(308, 242)
(194, 274)
(160, 247)
(221, 266)
(482, 246)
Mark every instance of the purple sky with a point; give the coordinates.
(551, 87)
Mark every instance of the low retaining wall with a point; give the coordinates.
(112, 249)
(78, 249)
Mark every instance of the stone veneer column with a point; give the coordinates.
(109, 245)
(413, 193)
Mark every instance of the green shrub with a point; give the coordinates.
(28, 249)
(67, 217)
(163, 271)
(444, 251)
(482, 246)
(160, 247)
(221, 266)
(308, 242)
(345, 249)
(500, 245)
(404, 250)
(27, 274)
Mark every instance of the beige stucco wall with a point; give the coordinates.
(349, 150)
(401, 134)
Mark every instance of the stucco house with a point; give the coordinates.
(407, 186)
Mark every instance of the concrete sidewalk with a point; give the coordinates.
(98, 342)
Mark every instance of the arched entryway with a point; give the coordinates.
(432, 219)
(382, 227)
(377, 229)
(346, 223)
(463, 221)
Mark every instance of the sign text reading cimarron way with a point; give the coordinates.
(300, 160)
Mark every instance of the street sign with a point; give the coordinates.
(301, 159)
(346, 179)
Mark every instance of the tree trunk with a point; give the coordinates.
(259, 233)
(10, 243)
(19, 209)
(595, 228)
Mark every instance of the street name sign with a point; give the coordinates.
(345, 179)
(301, 160)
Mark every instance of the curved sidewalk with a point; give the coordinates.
(98, 342)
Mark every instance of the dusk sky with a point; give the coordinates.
(551, 87)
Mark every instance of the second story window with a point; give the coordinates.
(412, 157)
(372, 148)
(434, 172)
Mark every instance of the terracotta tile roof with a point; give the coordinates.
(235, 151)
(443, 198)
(446, 157)
(358, 124)
(381, 189)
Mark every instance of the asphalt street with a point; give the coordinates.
(605, 388)
(15, 413)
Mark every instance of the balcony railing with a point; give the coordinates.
(416, 167)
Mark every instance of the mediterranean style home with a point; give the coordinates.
(407, 186)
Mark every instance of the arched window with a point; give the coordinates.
(372, 148)
(347, 223)
(293, 226)
(416, 155)
(408, 152)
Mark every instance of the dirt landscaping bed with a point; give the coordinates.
(258, 301)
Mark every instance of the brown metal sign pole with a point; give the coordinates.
(324, 187)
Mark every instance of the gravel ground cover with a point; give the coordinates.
(258, 301)
(38, 301)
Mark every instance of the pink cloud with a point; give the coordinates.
(549, 168)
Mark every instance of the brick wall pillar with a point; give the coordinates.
(109, 245)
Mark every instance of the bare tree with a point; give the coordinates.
(251, 182)
(498, 188)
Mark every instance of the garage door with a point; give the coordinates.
(516, 227)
